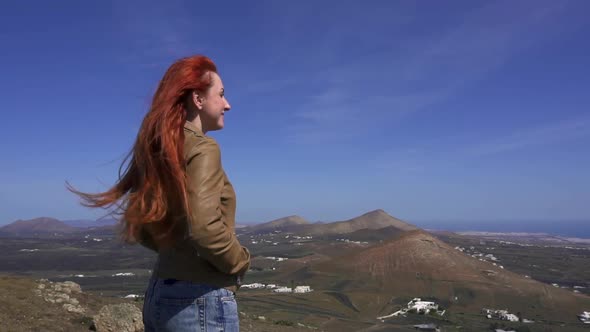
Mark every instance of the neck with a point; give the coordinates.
(197, 123)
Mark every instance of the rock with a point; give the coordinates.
(73, 308)
(119, 318)
(261, 318)
(71, 287)
(67, 287)
(55, 297)
(60, 292)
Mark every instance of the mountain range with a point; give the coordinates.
(373, 220)
(51, 227)
(357, 226)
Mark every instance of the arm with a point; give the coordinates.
(208, 232)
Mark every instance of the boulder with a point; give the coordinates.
(69, 287)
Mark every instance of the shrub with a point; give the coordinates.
(285, 323)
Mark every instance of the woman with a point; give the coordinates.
(176, 199)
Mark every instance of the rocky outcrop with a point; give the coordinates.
(123, 317)
(60, 293)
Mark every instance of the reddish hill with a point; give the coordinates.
(377, 219)
(37, 227)
(282, 224)
(416, 264)
(370, 221)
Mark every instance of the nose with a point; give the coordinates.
(227, 106)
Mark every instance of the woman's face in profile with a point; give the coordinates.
(213, 105)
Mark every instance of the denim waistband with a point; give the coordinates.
(190, 287)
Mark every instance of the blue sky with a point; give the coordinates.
(465, 111)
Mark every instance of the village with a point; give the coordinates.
(278, 289)
(276, 237)
(480, 256)
(471, 251)
(350, 241)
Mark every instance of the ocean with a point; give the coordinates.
(577, 228)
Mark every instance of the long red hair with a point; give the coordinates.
(151, 191)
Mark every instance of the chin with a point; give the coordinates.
(218, 127)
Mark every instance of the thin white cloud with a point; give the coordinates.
(373, 93)
(338, 115)
(543, 134)
(425, 157)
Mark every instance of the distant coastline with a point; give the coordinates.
(575, 229)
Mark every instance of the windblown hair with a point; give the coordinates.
(151, 193)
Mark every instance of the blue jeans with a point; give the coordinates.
(176, 305)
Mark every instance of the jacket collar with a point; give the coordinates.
(192, 128)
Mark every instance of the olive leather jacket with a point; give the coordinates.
(210, 253)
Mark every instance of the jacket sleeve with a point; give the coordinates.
(208, 232)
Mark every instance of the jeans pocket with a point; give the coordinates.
(229, 308)
(177, 314)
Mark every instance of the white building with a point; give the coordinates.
(283, 290)
(302, 289)
(422, 306)
(510, 317)
(254, 285)
(500, 314)
(132, 296)
(278, 259)
(418, 305)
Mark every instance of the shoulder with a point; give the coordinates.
(201, 147)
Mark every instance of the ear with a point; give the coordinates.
(197, 100)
